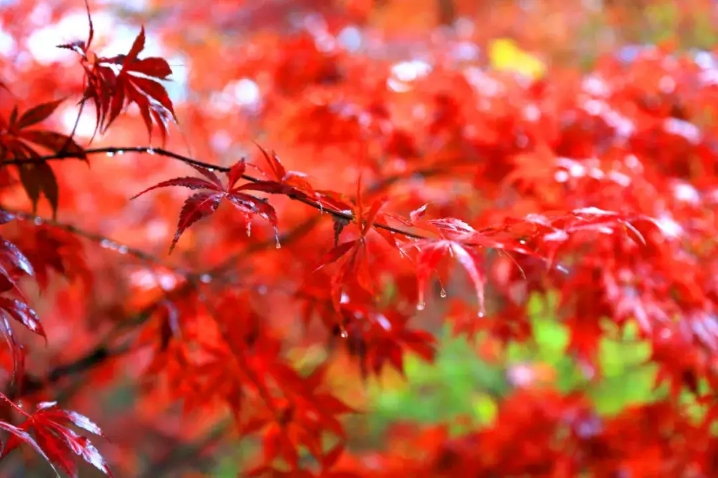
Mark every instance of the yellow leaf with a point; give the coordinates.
(505, 55)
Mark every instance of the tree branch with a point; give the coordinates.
(104, 350)
(104, 241)
(111, 151)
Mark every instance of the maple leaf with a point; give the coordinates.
(14, 264)
(22, 313)
(136, 82)
(203, 204)
(16, 143)
(59, 443)
(23, 436)
(290, 183)
(49, 248)
(427, 260)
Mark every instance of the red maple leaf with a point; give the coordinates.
(58, 443)
(203, 204)
(17, 142)
(136, 82)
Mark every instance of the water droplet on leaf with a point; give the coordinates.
(344, 334)
(420, 306)
(442, 293)
(249, 229)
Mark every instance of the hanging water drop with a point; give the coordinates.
(205, 278)
(123, 249)
(442, 293)
(151, 151)
(249, 229)
(344, 334)
(105, 243)
(451, 251)
(37, 221)
(276, 238)
(481, 314)
(562, 269)
(420, 306)
(120, 152)
(110, 154)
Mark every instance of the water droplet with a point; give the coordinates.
(442, 293)
(481, 314)
(105, 243)
(421, 305)
(110, 154)
(150, 151)
(276, 238)
(120, 152)
(344, 334)
(321, 208)
(451, 251)
(38, 221)
(123, 249)
(562, 269)
(249, 229)
(211, 170)
(205, 278)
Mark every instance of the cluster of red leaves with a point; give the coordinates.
(52, 438)
(602, 189)
(135, 82)
(17, 144)
(544, 433)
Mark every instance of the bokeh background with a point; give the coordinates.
(226, 56)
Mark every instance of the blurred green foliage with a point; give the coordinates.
(461, 384)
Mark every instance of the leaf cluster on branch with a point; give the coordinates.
(477, 188)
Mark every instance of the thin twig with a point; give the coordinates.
(182, 454)
(103, 241)
(201, 164)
